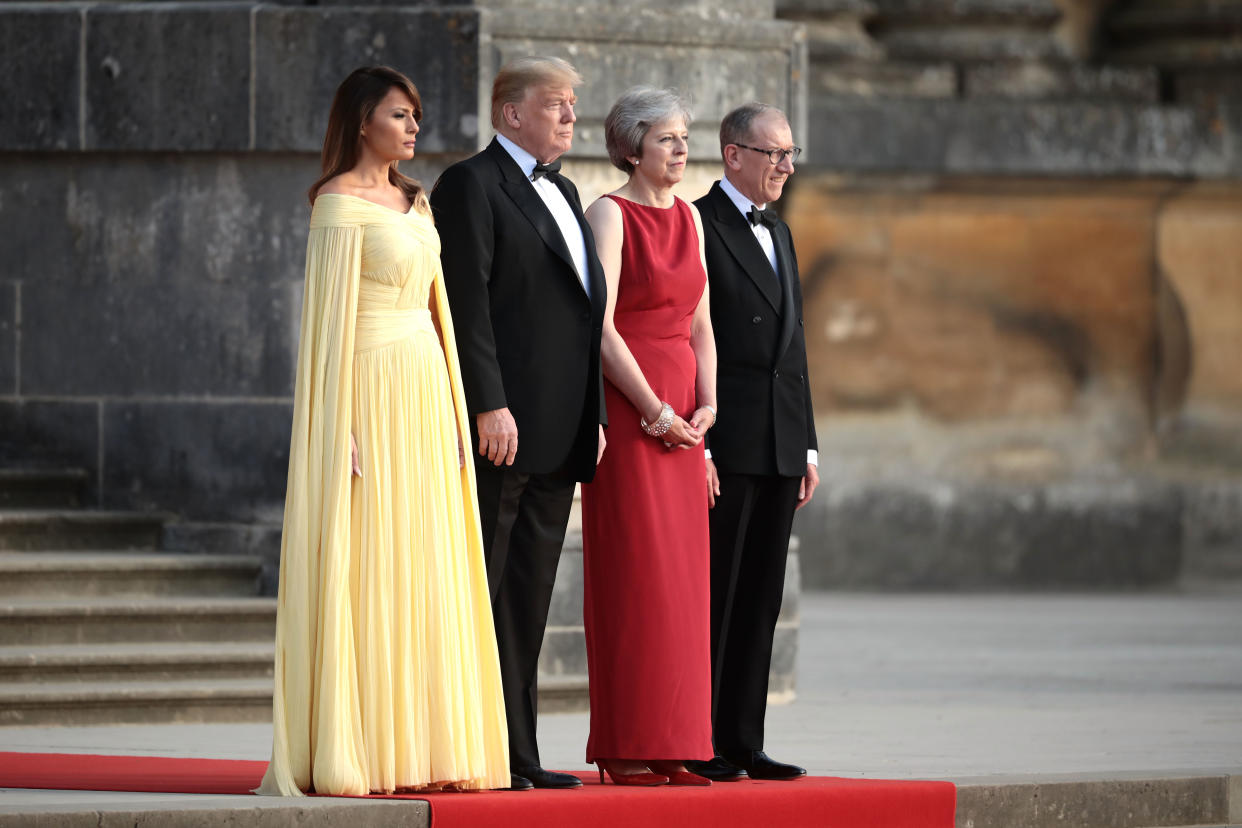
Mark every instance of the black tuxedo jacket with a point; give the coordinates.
(527, 334)
(766, 424)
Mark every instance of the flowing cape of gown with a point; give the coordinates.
(386, 673)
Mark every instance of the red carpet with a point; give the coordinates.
(815, 801)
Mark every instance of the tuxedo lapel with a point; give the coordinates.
(744, 247)
(595, 271)
(785, 261)
(528, 202)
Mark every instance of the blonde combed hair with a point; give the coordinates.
(520, 74)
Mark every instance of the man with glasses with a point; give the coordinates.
(762, 450)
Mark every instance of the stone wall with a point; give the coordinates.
(1019, 235)
(153, 164)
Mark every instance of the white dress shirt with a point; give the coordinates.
(764, 236)
(558, 206)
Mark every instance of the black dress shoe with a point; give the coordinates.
(758, 765)
(520, 783)
(541, 778)
(718, 769)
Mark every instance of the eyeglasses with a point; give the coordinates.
(776, 156)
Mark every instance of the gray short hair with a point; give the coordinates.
(736, 126)
(635, 112)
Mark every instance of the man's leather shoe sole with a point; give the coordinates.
(717, 769)
(758, 765)
(541, 778)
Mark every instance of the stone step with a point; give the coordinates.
(563, 694)
(146, 702)
(1042, 13)
(150, 661)
(1177, 33)
(64, 529)
(1164, 18)
(41, 488)
(197, 700)
(115, 574)
(995, 137)
(35, 623)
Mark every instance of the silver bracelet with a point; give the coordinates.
(712, 409)
(662, 423)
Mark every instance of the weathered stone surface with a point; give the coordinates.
(936, 534)
(1199, 245)
(1121, 803)
(883, 80)
(694, 9)
(204, 461)
(303, 54)
(1031, 80)
(969, 304)
(39, 64)
(37, 434)
(1033, 11)
(1208, 89)
(8, 338)
(839, 38)
(1212, 530)
(168, 77)
(969, 44)
(177, 275)
(215, 339)
(992, 137)
(159, 219)
(261, 540)
(1185, 17)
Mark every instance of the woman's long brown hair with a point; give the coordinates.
(352, 106)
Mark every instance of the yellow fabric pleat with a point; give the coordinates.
(387, 675)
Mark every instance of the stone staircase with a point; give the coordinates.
(98, 626)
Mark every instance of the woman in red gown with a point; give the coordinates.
(644, 518)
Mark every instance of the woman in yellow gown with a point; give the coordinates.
(386, 676)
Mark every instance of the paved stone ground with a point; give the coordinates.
(931, 686)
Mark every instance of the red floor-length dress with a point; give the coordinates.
(644, 518)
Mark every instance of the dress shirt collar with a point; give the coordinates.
(741, 202)
(524, 159)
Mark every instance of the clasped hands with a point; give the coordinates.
(686, 435)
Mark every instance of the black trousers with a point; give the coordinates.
(523, 519)
(750, 528)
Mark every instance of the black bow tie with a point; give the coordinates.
(767, 218)
(545, 169)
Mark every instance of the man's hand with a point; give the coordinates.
(713, 484)
(599, 449)
(497, 436)
(809, 482)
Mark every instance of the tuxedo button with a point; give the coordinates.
(776, 373)
(756, 320)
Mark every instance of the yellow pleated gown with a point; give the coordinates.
(386, 674)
